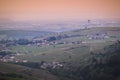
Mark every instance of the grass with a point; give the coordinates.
(68, 52)
(35, 49)
(10, 71)
(74, 55)
(61, 54)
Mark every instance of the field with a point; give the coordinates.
(61, 52)
(80, 56)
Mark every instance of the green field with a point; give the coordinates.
(92, 59)
(62, 52)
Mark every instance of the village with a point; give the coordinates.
(10, 57)
(53, 40)
(6, 54)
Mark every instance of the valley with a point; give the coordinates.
(69, 55)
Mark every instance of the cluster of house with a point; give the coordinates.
(11, 58)
(98, 36)
(7, 58)
(51, 65)
(92, 36)
(44, 42)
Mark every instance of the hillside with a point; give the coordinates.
(109, 30)
(69, 43)
(90, 35)
(16, 34)
(10, 71)
(94, 29)
(103, 65)
(73, 55)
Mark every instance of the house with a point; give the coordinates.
(98, 36)
(51, 65)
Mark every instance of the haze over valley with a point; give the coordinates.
(59, 39)
(56, 26)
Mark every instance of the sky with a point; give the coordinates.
(59, 9)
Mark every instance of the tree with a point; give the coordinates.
(23, 41)
(53, 38)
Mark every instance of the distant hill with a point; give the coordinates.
(15, 34)
(82, 34)
(93, 30)
(79, 61)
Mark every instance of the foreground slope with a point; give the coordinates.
(92, 59)
(10, 71)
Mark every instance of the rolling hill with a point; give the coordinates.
(16, 34)
(90, 59)
(69, 46)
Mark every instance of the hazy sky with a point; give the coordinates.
(59, 9)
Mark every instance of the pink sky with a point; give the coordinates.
(59, 9)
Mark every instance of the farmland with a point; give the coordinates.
(62, 53)
(69, 46)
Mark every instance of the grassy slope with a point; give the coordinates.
(95, 29)
(105, 66)
(79, 53)
(58, 54)
(111, 31)
(14, 72)
(49, 53)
